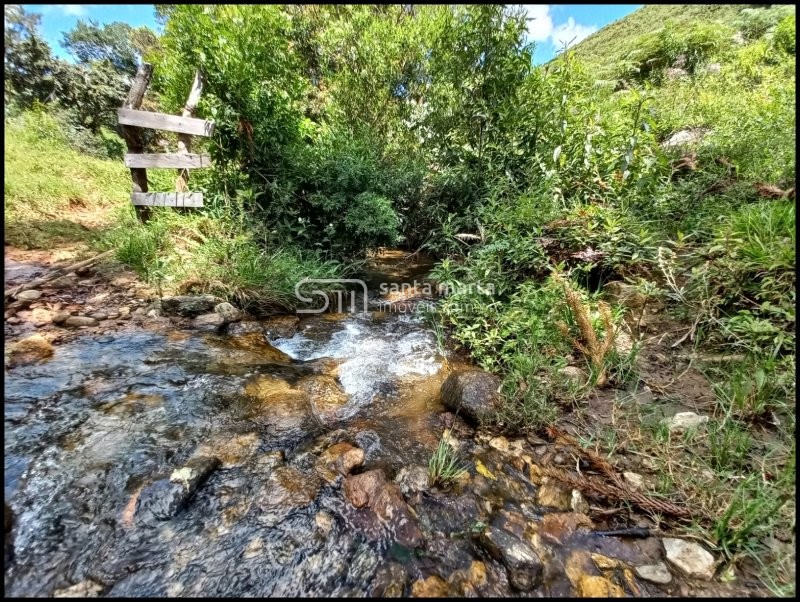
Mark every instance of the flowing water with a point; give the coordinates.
(89, 431)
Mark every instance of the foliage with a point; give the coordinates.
(444, 465)
(685, 48)
(594, 349)
(112, 43)
(28, 67)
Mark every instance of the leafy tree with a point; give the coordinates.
(29, 67)
(113, 42)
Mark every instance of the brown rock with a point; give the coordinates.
(258, 343)
(431, 587)
(590, 586)
(370, 489)
(553, 495)
(342, 457)
(362, 488)
(80, 321)
(326, 396)
(558, 526)
(30, 349)
(281, 327)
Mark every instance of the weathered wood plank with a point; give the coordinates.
(169, 123)
(168, 199)
(168, 160)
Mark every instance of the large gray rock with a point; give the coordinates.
(412, 479)
(523, 565)
(190, 305)
(228, 312)
(212, 321)
(472, 394)
(691, 558)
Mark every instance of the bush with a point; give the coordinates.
(686, 48)
(785, 34)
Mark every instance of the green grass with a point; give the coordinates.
(192, 251)
(445, 465)
(606, 47)
(46, 183)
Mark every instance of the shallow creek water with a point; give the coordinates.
(88, 429)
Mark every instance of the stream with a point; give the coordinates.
(99, 437)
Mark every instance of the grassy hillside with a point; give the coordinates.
(52, 192)
(606, 47)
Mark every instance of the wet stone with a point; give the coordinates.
(412, 479)
(189, 305)
(390, 581)
(521, 561)
(342, 458)
(590, 586)
(472, 394)
(165, 498)
(553, 495)
(430, 587)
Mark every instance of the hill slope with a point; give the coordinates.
(608, 45)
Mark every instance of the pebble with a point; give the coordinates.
(685, 420)
(29, 295)
(634, 480)
(691, 558)
(78, 321)
(654, 573)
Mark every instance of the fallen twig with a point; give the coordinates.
(619, 490)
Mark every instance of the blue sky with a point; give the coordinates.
(550, 27)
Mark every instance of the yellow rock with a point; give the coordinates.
(479, 466)
(432, 587)
(598, 587)
(324, 391)
(258, 343)
(605, 563)
(29, 350)
(553, 495)
(231, 450)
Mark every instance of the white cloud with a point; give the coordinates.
(571, 33)
(73, 10)
(541, 28)
(540, 25)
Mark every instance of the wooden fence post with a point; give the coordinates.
(185, 140)
(133, 138)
